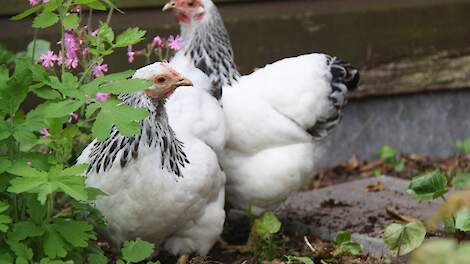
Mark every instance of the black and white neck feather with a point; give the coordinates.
(208, 46)
(155, 133)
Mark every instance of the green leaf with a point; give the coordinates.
(26, 13)
(36, 211)
(96, 258)
(4, 219)
(42, 46)
(130, 37)
(54, 245)
(25, 229)
(5, 131)
(17, 86)
(73, 186)
(137, 250)
(436, 251)
(344, 244)
(45, 20)
(125, 118)
(304, 260)
(428, 186)
(102, 126)
(462, 219)
(343, 237)
(387, 153)
(464, 146)
(61, 108)
(267, 225)
(126, 86)
(70, 21)
(105, 32)
(77, 233)
(399, 165)
(404, 238)
(21, 250)
(4, 164)
(461, 180)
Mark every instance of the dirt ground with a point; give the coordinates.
(320, 251)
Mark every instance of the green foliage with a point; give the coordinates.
(389, 156)
(464, 145)
(441, 251)
(303, 260)
(267, 225)
(402, 239)
(428, 186)
(462, 220)
(344, 244)
(461, 180)
(45, 211)
(266, 228)
(137, 250)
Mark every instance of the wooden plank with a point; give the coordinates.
(447, 70)
(10, 7)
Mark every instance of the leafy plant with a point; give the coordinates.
(402, 239)
(295, 259)
(266, 228)
(461, 180)
(389, 156)
(45, 214)
(441, 251)
(464, 145)
(136, 251)
(344, 244)
(428, 186)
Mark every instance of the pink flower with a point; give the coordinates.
(44, 132)
(76, 9)
(102, 97)
(45, 1)
(175, 43)
(85, 52)
(71, 62)
(33, 2)
(71, 49)
(130, 54)
(157, 42)
(99, 69)
(94, 33)
(47, 59)
(73, 118)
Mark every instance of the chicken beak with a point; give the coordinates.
(169, 6)
(183, 82)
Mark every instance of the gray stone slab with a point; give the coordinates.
(427, 123)
(325, 212)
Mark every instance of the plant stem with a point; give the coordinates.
(50, 206)
(87, 71)
(110, 15)
(35, 36)
(62, 36)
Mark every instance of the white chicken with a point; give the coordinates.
(164, 185)
(275, 116)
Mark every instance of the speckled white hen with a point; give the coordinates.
(164, 185)
(275, 117)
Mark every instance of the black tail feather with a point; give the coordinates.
(344, 78)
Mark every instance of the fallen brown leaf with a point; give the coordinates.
(395, 214)
(378, 187)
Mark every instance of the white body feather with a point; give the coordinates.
(147, 201)
(268, 153)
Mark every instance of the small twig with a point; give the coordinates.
(309, 245)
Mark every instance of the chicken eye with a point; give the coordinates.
(161, 80)
(191, 3)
